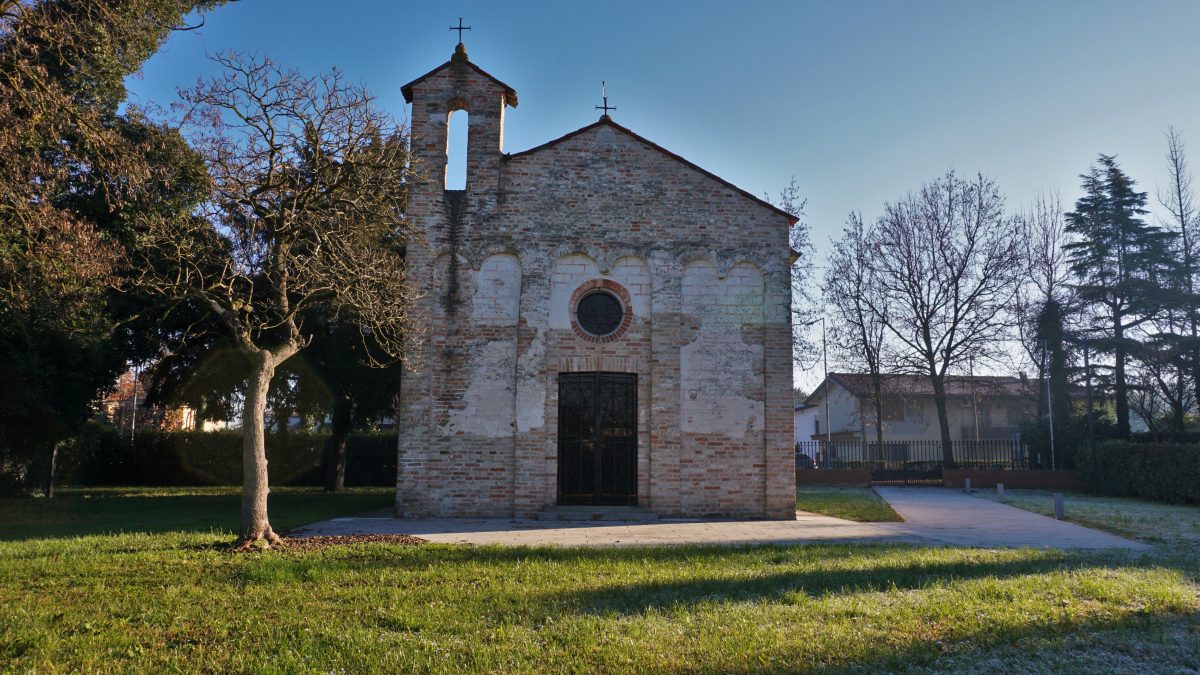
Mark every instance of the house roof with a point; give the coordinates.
(460, 55)
(605, 120)
(917, 386)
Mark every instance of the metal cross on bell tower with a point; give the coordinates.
(604, 94)
(460, 28)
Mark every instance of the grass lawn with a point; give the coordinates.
(204, 509)
(858, 504)
(171, 600)
(1173, 528)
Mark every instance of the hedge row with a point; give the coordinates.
(1168, 472)
(103, 456)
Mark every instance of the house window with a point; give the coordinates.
(817, 426)
(893, 409)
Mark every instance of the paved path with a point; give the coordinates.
(933, 517)
(952, 517)
(808, 528)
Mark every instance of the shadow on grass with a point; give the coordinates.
(156, 511)
(629, 599)
(712, 585)
(699, 574)
(1138, 643)
(463, 595)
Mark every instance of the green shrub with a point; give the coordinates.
(104, 456)
(1168, 472)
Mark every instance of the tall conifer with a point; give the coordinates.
(1119, 262)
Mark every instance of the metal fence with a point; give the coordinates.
(911, 455)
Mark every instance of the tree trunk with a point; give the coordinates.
(939, 400)
(1120, 387)
(1178, 399)
(1044, 370)
(1056, 377)
(877, 384)
(283, 416)
(1195, 359)
(49, 489)
(255, 527)
(335, 466)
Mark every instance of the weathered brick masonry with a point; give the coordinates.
(700, 267)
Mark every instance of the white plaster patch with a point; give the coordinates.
(531, 393)
(488, 400)
(632, 273)
(717, 374)
(569, 272)
(720, 384)
(497, 298)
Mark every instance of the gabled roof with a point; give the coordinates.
(919, 386)
(460, 54)
(605, 120)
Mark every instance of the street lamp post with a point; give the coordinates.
(1050, 398)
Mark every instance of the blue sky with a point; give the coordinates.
(860, 100)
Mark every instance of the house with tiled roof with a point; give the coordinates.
(984, 408)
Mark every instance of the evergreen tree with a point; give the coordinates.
(1119, 262)
(1051, 331)
(358, 394)
(75, 173)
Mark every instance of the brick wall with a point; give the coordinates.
(702, 268)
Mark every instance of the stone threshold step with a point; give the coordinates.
(590, 513)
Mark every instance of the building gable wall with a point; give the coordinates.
(703, 271)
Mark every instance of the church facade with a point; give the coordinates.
(605, 323)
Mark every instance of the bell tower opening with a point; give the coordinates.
(456, 150)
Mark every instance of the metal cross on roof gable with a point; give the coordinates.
(460, 28)
(604, 94)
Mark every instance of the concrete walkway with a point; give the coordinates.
(808, 528)
(933, 517)
(952, 517)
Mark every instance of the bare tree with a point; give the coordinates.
(1146, 398)
(1179, 200)
(860, 314)
(1042, 303)
(1048, 265)
(791, 200)
(948, 264)
(1161, 375)
(306, 217)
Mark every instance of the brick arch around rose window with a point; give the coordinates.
(599, 286)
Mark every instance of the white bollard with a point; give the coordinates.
(999, 492)
(966, 485)
(1059, 508)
